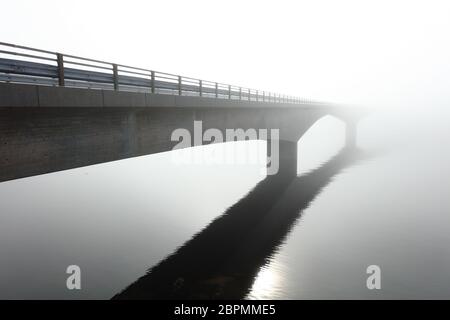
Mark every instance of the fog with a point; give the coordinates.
(390, 57)
(383, 53)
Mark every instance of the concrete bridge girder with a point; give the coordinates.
(47, 129)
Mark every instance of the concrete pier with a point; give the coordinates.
(48, 129)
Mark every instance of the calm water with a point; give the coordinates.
(152, 227)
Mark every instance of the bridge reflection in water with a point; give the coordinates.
(223, 260)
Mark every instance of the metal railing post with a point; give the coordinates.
(60, 60)
(152, 80)
(115, 77)
(173, 83)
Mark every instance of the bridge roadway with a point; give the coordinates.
(45, 129)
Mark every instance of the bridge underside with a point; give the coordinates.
(52, 129)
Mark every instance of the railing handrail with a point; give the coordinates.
(134, 77)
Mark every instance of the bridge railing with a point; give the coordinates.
(20, 64)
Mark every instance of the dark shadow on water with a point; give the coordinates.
(222, 261)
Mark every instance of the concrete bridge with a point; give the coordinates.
(54, 117)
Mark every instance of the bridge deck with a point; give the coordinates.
(25, 95)
(19, 64)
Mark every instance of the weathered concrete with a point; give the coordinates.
(68, 97)
(70, 128)
(287, 157)
(18, 95)
(124, 99)
(23, 95)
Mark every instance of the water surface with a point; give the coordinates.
(150, 227)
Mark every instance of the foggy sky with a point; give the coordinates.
(381, 53)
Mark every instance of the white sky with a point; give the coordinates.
(365, 52)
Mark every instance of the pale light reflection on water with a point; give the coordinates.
(391, 210)
(118, 219)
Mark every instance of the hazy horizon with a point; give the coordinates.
(382, 54)
(149, 221)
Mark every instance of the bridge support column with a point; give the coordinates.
(351, 133)
(282, 160)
